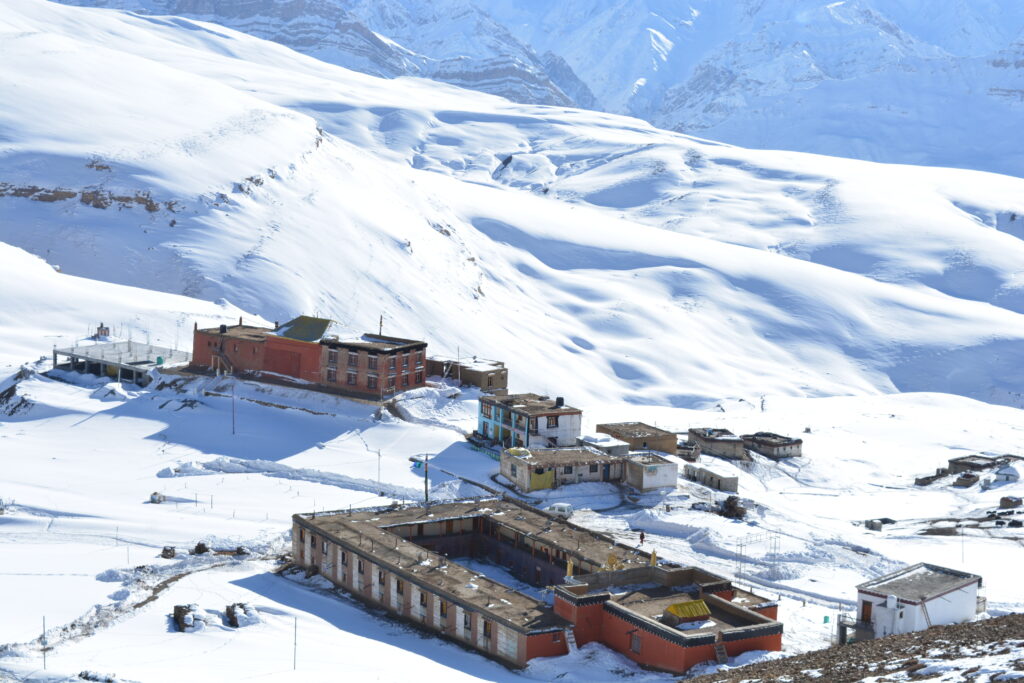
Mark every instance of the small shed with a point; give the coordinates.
(1007, 502)
(1007, 473)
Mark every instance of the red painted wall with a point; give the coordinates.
(243, 354)
(738, 647)
(293, 358)
(545, 645)
(772, 612)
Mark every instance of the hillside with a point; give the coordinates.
(904, 82)
(663, 268)
(158, 172)
(991, 650)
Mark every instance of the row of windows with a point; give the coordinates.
(467, 622)
(372, 381)
(517, 420)
(371, 359)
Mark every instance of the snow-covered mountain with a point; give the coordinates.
(661, 268)
(905, 82)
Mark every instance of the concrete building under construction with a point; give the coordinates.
(405, 560)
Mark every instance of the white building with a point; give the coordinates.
(529, 421)
(912, 599)
(1007, 473)
(711, 479)
(648, 471)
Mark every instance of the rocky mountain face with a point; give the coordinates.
(904, 81)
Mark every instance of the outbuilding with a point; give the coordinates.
(912, 599)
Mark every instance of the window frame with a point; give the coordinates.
(552, 422)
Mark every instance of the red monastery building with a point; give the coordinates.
(307, 350)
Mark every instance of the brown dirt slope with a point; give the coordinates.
(887, 656)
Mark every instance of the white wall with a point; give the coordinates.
(953, 608)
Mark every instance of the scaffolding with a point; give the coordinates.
(127, 361)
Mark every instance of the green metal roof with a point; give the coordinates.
(305, 328)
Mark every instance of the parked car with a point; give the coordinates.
(563, 510)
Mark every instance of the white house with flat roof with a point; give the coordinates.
(912, 599)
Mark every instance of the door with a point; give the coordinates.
(607, 473)
(865, 611)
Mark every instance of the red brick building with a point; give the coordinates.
(406, 560)
(369, 366)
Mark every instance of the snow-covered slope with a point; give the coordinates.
(660, 268)
(907, 82)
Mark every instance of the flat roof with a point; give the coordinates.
(772, 438)
(603, 440)
(471, 363)
(372, 342)
(530, 404)
(715, 433)
(240, 332)
(366, 531)
(975, 459)
(130, 354)
(634, 430)
(648, 458)
(919, 582)
(561, 456)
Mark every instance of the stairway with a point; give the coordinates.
(570, 640)
(720, 654)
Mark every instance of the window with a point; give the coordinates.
(323, 546)
(419, 358)
(552, 421)
(359, 566)
(302, 535)
(405, 380)
(236, 348)
(332, 374)
(487, 629)
(344, 558)
(254, 350)
(380, 576)
(353, 359)
(372, 362)
(467, 621)
(399, 586)
(533, 424)
(556, 637)
(634, 644)
(392, 362)
(443, 609)
(351, 379)
(514, 470)
(593, 468)
(405, 361)
(567, 469)
(485, 409)
(490, 380)
(423, 598)
(419, 378)
(371, 382)
(332, 357)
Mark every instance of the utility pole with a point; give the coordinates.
(232, 408)
(295, 646)
(378, 473)
(44, 643)
(426, 479)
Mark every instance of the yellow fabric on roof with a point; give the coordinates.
(689, 610)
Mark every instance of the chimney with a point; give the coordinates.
(239, 321)
(223, 329)
(195, 325)
(559, 401)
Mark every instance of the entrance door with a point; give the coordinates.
(865, 611)
(607, 473)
